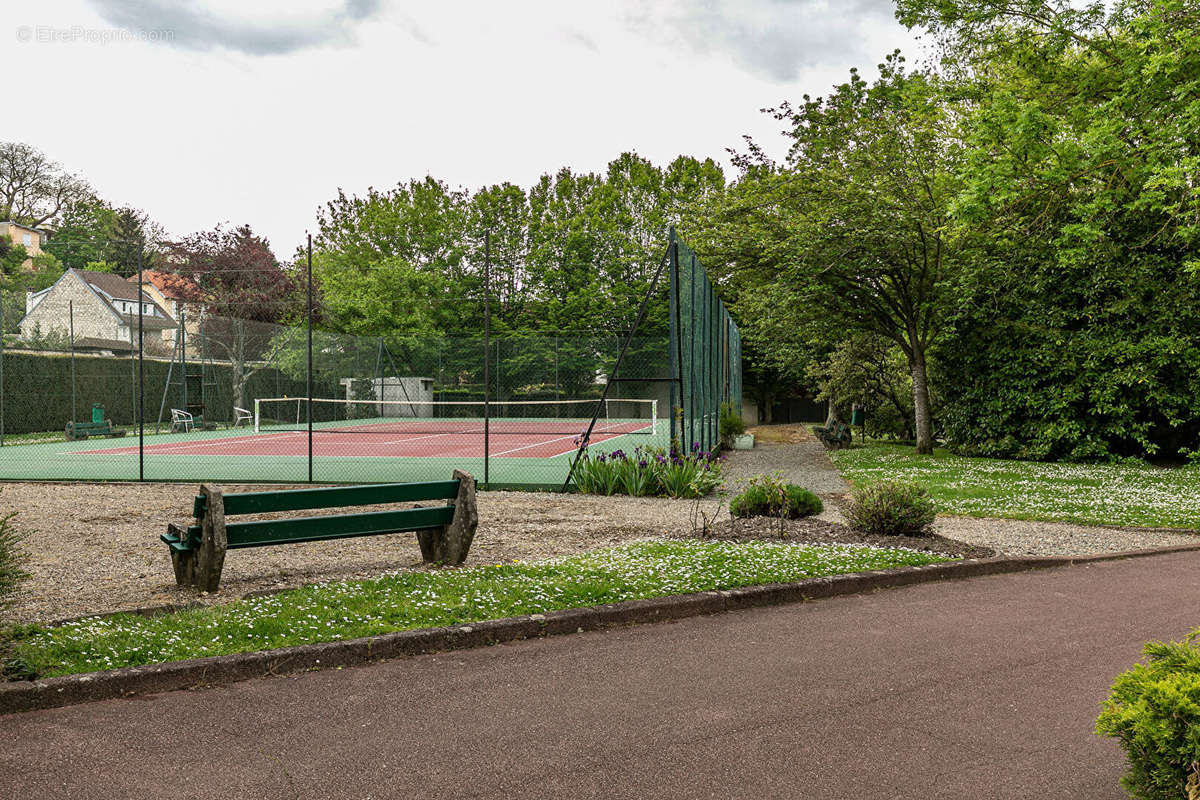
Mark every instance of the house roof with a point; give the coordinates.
(24, 227)
(92, 343)
(151, 323)
(113, 287)
(172, 286)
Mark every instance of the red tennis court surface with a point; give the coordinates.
(358, 444)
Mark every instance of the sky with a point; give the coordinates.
(203, 112)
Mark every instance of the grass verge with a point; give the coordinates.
(1096, 494)
(410, 600)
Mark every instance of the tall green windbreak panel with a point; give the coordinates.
(707, 353)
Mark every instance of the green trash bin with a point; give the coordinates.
(856, 415)
(97, 412)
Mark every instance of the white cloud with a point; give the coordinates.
(778, 38)
(191, 25)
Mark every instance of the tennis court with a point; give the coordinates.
(336, 407)
(527, 451)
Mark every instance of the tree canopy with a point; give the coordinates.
(850, 233)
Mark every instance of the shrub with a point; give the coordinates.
(769, 496)
(732, 423)
(1154, 712)
(890, 508)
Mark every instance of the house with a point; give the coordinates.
(31, 238)
(104, 311)
(181, 297)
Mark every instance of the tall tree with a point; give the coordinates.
(851, 232)
(33, 188)
(245, 292)
(394, 261)
(1080, 174)
(89, 230)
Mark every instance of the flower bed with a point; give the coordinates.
(649, 471)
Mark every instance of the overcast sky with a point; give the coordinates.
(200, 111)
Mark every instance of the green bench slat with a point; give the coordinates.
(308, 529)
(333, 497)
(284, 531)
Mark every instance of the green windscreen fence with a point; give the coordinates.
(709, 351)
(216, 397)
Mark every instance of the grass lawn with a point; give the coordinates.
(409, 600)
(1100, 494)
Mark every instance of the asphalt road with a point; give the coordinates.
(986, 688)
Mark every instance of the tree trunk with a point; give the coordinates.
(921, 419)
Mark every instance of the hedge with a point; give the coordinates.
(37, 394)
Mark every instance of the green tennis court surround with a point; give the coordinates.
(283, 404)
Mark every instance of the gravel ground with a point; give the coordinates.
(95, 548)
(802, 463)
(1017, 537)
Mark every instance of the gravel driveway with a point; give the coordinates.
(95, 547)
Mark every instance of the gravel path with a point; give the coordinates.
(95, 547)
(803, 463)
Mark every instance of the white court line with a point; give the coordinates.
(418, 438)
(265, 437)
(537, 444)
(165, 446)
(610, 436)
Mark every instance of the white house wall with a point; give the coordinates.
(93, 317)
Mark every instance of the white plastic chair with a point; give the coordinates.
(181, 419)
(241, 415)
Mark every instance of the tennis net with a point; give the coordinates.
(551, 417)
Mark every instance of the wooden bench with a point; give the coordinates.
(82, 430)
(98, 426)
(444, 532)
(834, 436)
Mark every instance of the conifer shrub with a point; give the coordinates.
(1154, 712)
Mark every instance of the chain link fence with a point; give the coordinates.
(216, 397)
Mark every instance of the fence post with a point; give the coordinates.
(487, 334)
(1, 367)
(309, 382)
(71, 343)
(141, 403)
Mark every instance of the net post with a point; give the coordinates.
(654, 417)
(257, 414)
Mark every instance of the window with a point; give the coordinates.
(28, 239)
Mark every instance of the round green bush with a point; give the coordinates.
(765, 497)
(890, 508)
